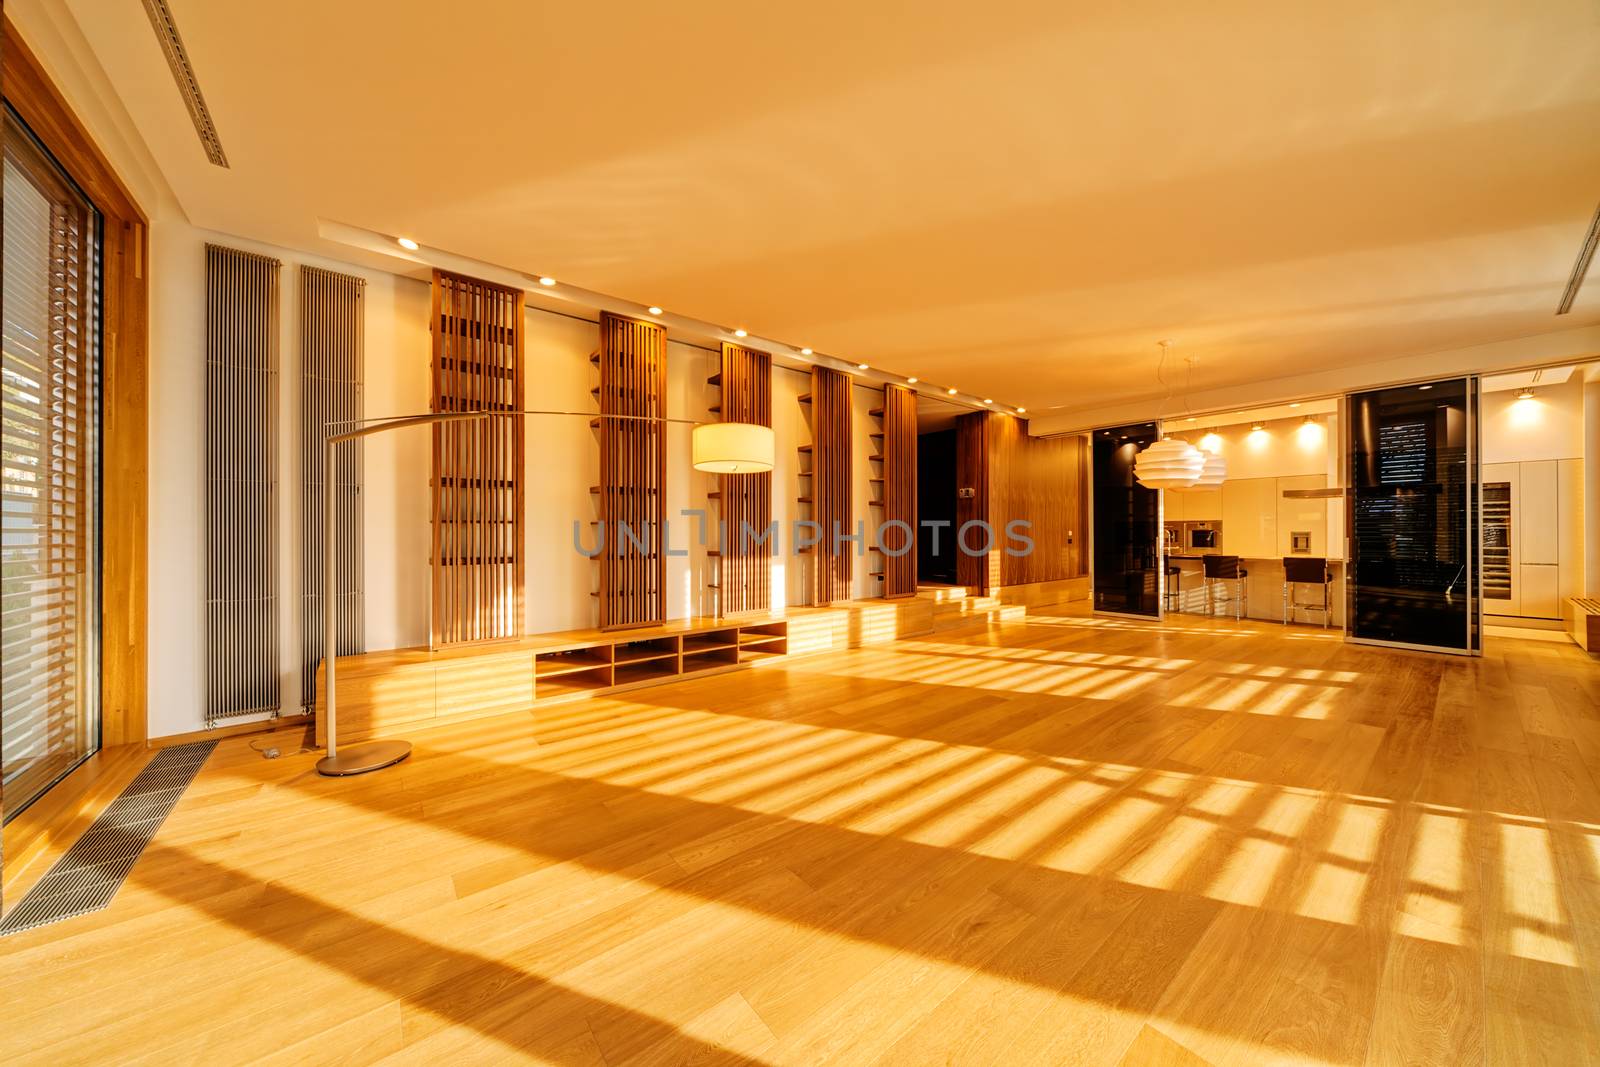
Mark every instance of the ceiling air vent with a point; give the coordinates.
(183, 73)
(1581, 267)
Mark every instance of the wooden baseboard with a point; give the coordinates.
(265, 726)
(1036, 594)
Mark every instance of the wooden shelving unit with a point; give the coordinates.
(605, 663)
(897, 491)
(877, 483)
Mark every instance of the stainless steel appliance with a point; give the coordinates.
(1202, 537)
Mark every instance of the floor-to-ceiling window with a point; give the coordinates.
(50, 715)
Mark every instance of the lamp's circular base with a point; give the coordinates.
(360, 759)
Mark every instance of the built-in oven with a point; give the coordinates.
(1202, 536)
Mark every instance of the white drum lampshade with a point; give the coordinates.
(733, 448)
(1169, 464)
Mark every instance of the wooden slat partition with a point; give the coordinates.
(241, 484)
(899, 491)
(332, 354)
(633, 472)
(832, 487)
(478, 465)
(744, 570)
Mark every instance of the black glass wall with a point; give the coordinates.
(1412, 567)
(1127, 525)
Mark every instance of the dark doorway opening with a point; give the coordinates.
(936, 503)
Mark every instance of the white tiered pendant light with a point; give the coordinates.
(1215, 471)
(1170, 463)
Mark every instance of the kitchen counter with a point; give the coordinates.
(1264, 589)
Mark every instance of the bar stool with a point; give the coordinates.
(1306, 570)
(1174, 590)
(1219, 572)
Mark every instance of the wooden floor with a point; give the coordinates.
(1067, 840)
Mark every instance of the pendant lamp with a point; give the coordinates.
(1170, 463)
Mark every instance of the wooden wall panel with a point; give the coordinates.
(899, 491)
(1015, 476)
(633, 471)
(744, 568)
(477, 465)
(831, 484)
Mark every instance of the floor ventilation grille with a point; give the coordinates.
(94, 868)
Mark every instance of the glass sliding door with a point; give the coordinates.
(1413, 546)
(50, 467)
(1127, 525)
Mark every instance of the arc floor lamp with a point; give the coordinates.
(717, 448)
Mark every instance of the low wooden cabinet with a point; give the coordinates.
(381, 692)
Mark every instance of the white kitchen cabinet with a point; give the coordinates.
(1539, 591)
(1569, 521)
(1250, 517)
(1301, 515)
(1203, 505)
(1538, 514)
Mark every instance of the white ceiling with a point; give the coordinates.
(1015, 198)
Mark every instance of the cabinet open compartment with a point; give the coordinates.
(710, 640)
(654, 648)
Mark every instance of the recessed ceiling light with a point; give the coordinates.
(952, 392)
(1189, 419)
(1524, 394)
(862, 366)
(911, 380)
(654, 310)
(988, 400)
(805, 351)
(1256, 427)
(1424, 387)
(740, 333)
(1022, 411)
(406, 243)
(547, 281)
(1295, 404)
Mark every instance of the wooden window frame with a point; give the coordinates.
(124, 368)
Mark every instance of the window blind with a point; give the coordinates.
(49, 466)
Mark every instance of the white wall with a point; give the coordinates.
(1283, 448)
(1547, 426)
(396, 468)
(562, 463)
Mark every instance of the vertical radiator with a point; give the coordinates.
(242, 654)
(332, 351)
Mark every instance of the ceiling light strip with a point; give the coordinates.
(183, 73)
(1581, 267)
